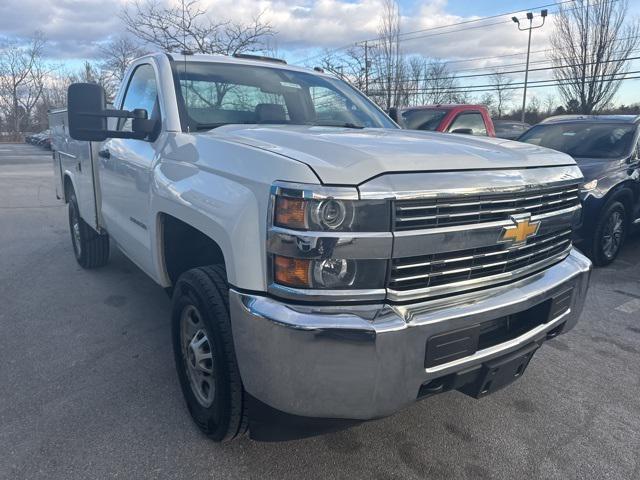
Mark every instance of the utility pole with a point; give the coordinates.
(543, 14)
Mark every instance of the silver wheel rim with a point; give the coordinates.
(197, 355)
(75, 230)
(612, 237)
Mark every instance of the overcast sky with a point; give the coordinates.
(305, 27)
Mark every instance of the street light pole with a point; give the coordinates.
(543, 14)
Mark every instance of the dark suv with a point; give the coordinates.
(607, 150)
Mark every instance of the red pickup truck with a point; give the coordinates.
(469, 119)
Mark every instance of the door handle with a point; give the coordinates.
(104, 153)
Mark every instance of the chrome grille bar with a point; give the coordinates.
(458, 266)
(436, 212)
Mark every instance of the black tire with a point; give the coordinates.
(90, 248)
(221, 415)
(606, 243)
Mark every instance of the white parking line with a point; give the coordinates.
(632, 306)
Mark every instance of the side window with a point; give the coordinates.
(142, 92)
(471, 120)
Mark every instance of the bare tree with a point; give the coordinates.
(550, 104)
(590, 46)
(415, 82)
(349, 66)
(503, 91)
(441, 84)
(92, 73)
(186, 26)
(389, 61)
(117, 54)
(21, 74)
(489, 101)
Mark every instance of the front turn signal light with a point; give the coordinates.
(290, 213)
(292, 272)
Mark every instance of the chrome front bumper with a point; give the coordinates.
(365, 362)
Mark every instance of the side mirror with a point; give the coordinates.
(393, 113)
(85, 106)
(465, 131)
(87, 112)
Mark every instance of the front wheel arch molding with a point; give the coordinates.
(622, 194)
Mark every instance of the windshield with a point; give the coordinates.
(216, 94)
(584, 139)
(422, 119)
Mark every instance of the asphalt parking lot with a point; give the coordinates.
(88, 388)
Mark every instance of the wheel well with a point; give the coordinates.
(184, 247)
(625, 196)
(68, 188)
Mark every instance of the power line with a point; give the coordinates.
(374, 93)
(486, 18)
(507, 21)
(465, 22)
(337, 49)
(516, 86)
(510, 72)
(493, 57)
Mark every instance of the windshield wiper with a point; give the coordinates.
(337, 124)
(211, 126)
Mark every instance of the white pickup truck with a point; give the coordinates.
(325, 266)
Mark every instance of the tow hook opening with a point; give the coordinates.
(555, 331)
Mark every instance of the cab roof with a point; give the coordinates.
(448, 106)
(244, 59)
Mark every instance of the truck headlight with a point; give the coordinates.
(326, 239)
(328, 209)
(329, 273)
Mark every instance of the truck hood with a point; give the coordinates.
(352, 156)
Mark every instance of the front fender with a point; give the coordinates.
(226, 198)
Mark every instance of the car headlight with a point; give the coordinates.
(327, 209)
(592, 185)
(329, 273)
(327, 239)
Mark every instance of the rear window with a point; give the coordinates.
(422, 119)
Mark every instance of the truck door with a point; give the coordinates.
(125, 172)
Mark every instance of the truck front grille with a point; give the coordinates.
(465, 210)
(435, 270)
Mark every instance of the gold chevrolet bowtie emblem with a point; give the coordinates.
(523, 229)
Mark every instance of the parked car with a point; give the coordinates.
(510, 129)
(607, 150)
(467, 119)
(45, 141)
(41, 139)
(325, 266)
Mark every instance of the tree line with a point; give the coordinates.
(592, 42)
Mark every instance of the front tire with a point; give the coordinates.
(609, 234)
(205, 356)
(90, 248)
